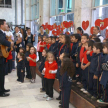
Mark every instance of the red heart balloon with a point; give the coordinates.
(67, 33)
(71, 23)
(102, 23)
(54, 32)
(91, 30)
(58, 27)
(85, 24)
(106, 33)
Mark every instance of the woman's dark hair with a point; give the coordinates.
(67, 41)
(22, 55)
(96, 39)
(68, 67)
(98, 45)
(80, 29)
(105, 45)
(2, 21)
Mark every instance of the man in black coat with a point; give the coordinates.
(29, 38)
(3, 41)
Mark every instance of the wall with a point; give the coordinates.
(8, 13)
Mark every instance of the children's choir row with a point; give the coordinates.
(89, 57)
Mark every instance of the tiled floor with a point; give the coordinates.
(26, 95)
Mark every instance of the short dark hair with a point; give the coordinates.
(90, 43)
(29, 29)
(86, 35)
(2, 21)
(54, 37)
(105, 45)
(77, 36)
(22, 49)
(98, 45)
(96, 39)
(16, 26)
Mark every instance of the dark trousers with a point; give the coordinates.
(6, 68)
(13, 59)
(105, 93)
(43, 83)
(21, 79)
(93, 85)
(40, 56)
(28, 71)
(66, 97)
(9, 66)
(85, 78)
(49, 87)
(33, 71)
(2, 74)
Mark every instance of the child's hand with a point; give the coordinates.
(100, 78)
(88, 52)
(77, 65)
(83, 67)
(60, 90)
(95, 77)
(43, 72)
(75, 55)
(21, 70)
(28, 58)
(50, 71)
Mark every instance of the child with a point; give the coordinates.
(41, 67)
(65, 47)
(80, 52)
(53, 47)
(39, 49)
(96, 39)
(95, 70)
(32, 63)
(93, 36)
(104, 76)
(50, 71)
(49, 42)
(67, 72)
(20, 67)
(85, 65)
(75, 39)
(28, 74)
(63, 55)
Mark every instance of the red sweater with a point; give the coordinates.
(42, 48)
(48, 46)
(31, 63)
(9, 57)
(48, 67)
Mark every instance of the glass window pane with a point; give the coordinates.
(52, 7)
(68, 6)
(99, 2)
(8, 3)
(105, 2)
(60, 6)
(1, 3)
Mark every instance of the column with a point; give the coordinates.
(82, 12)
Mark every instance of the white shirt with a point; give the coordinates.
(19, 34)
(8, 33)
(100, 37)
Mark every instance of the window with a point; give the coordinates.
(34, 9)
(99, 2)
(101, 12)
(5, 3)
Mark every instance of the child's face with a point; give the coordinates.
(44, 53)
(39, 39)
(21, 51)
(71, 38)
(84, 39)
(27, 48)
(63, 39)
(86, 46)
(50, 58)
(61, 56)
(74, 39)
(49, 40)
(105, 50)
(53, 41)
(46, 41)
(94, 49)
(60, 38)
(32, 50)
(44, 38)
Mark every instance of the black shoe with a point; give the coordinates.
(8, 90)
(18, 80)
(60, 106)
(58, 98)
(60, 102)
(4, 95)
